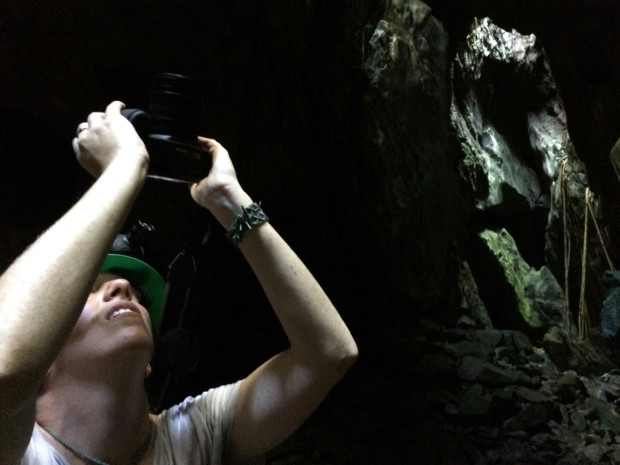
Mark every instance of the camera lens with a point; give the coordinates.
(175, 106)
(170, 129)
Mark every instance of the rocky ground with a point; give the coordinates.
(467, 396)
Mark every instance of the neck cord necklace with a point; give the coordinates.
(133, 460)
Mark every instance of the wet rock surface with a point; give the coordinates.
(463, 395)
(513, 405)
(509, 402)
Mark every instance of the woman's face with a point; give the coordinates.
(114, 327)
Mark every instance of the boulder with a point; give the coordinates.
(516, 294)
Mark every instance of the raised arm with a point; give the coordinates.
(42, 293)
(280, 395)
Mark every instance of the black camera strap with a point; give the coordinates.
(178, 350)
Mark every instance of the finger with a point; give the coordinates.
(212, 146)
(207, 143)
(114, 108)
(95, 118)
(220, 158)
(195, 192)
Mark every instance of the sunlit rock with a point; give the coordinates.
(414, 193)
(509, 118)
(516, 294)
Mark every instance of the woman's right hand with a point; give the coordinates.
(108, 136)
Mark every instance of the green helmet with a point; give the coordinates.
(143, 277)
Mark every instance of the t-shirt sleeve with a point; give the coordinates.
(197, 430)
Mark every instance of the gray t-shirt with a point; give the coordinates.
(194, 432)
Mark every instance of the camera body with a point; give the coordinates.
(169, 129)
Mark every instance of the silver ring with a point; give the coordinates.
(81, 127)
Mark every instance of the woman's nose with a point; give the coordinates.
(117, 288)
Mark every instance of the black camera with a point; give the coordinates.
(169, 129)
